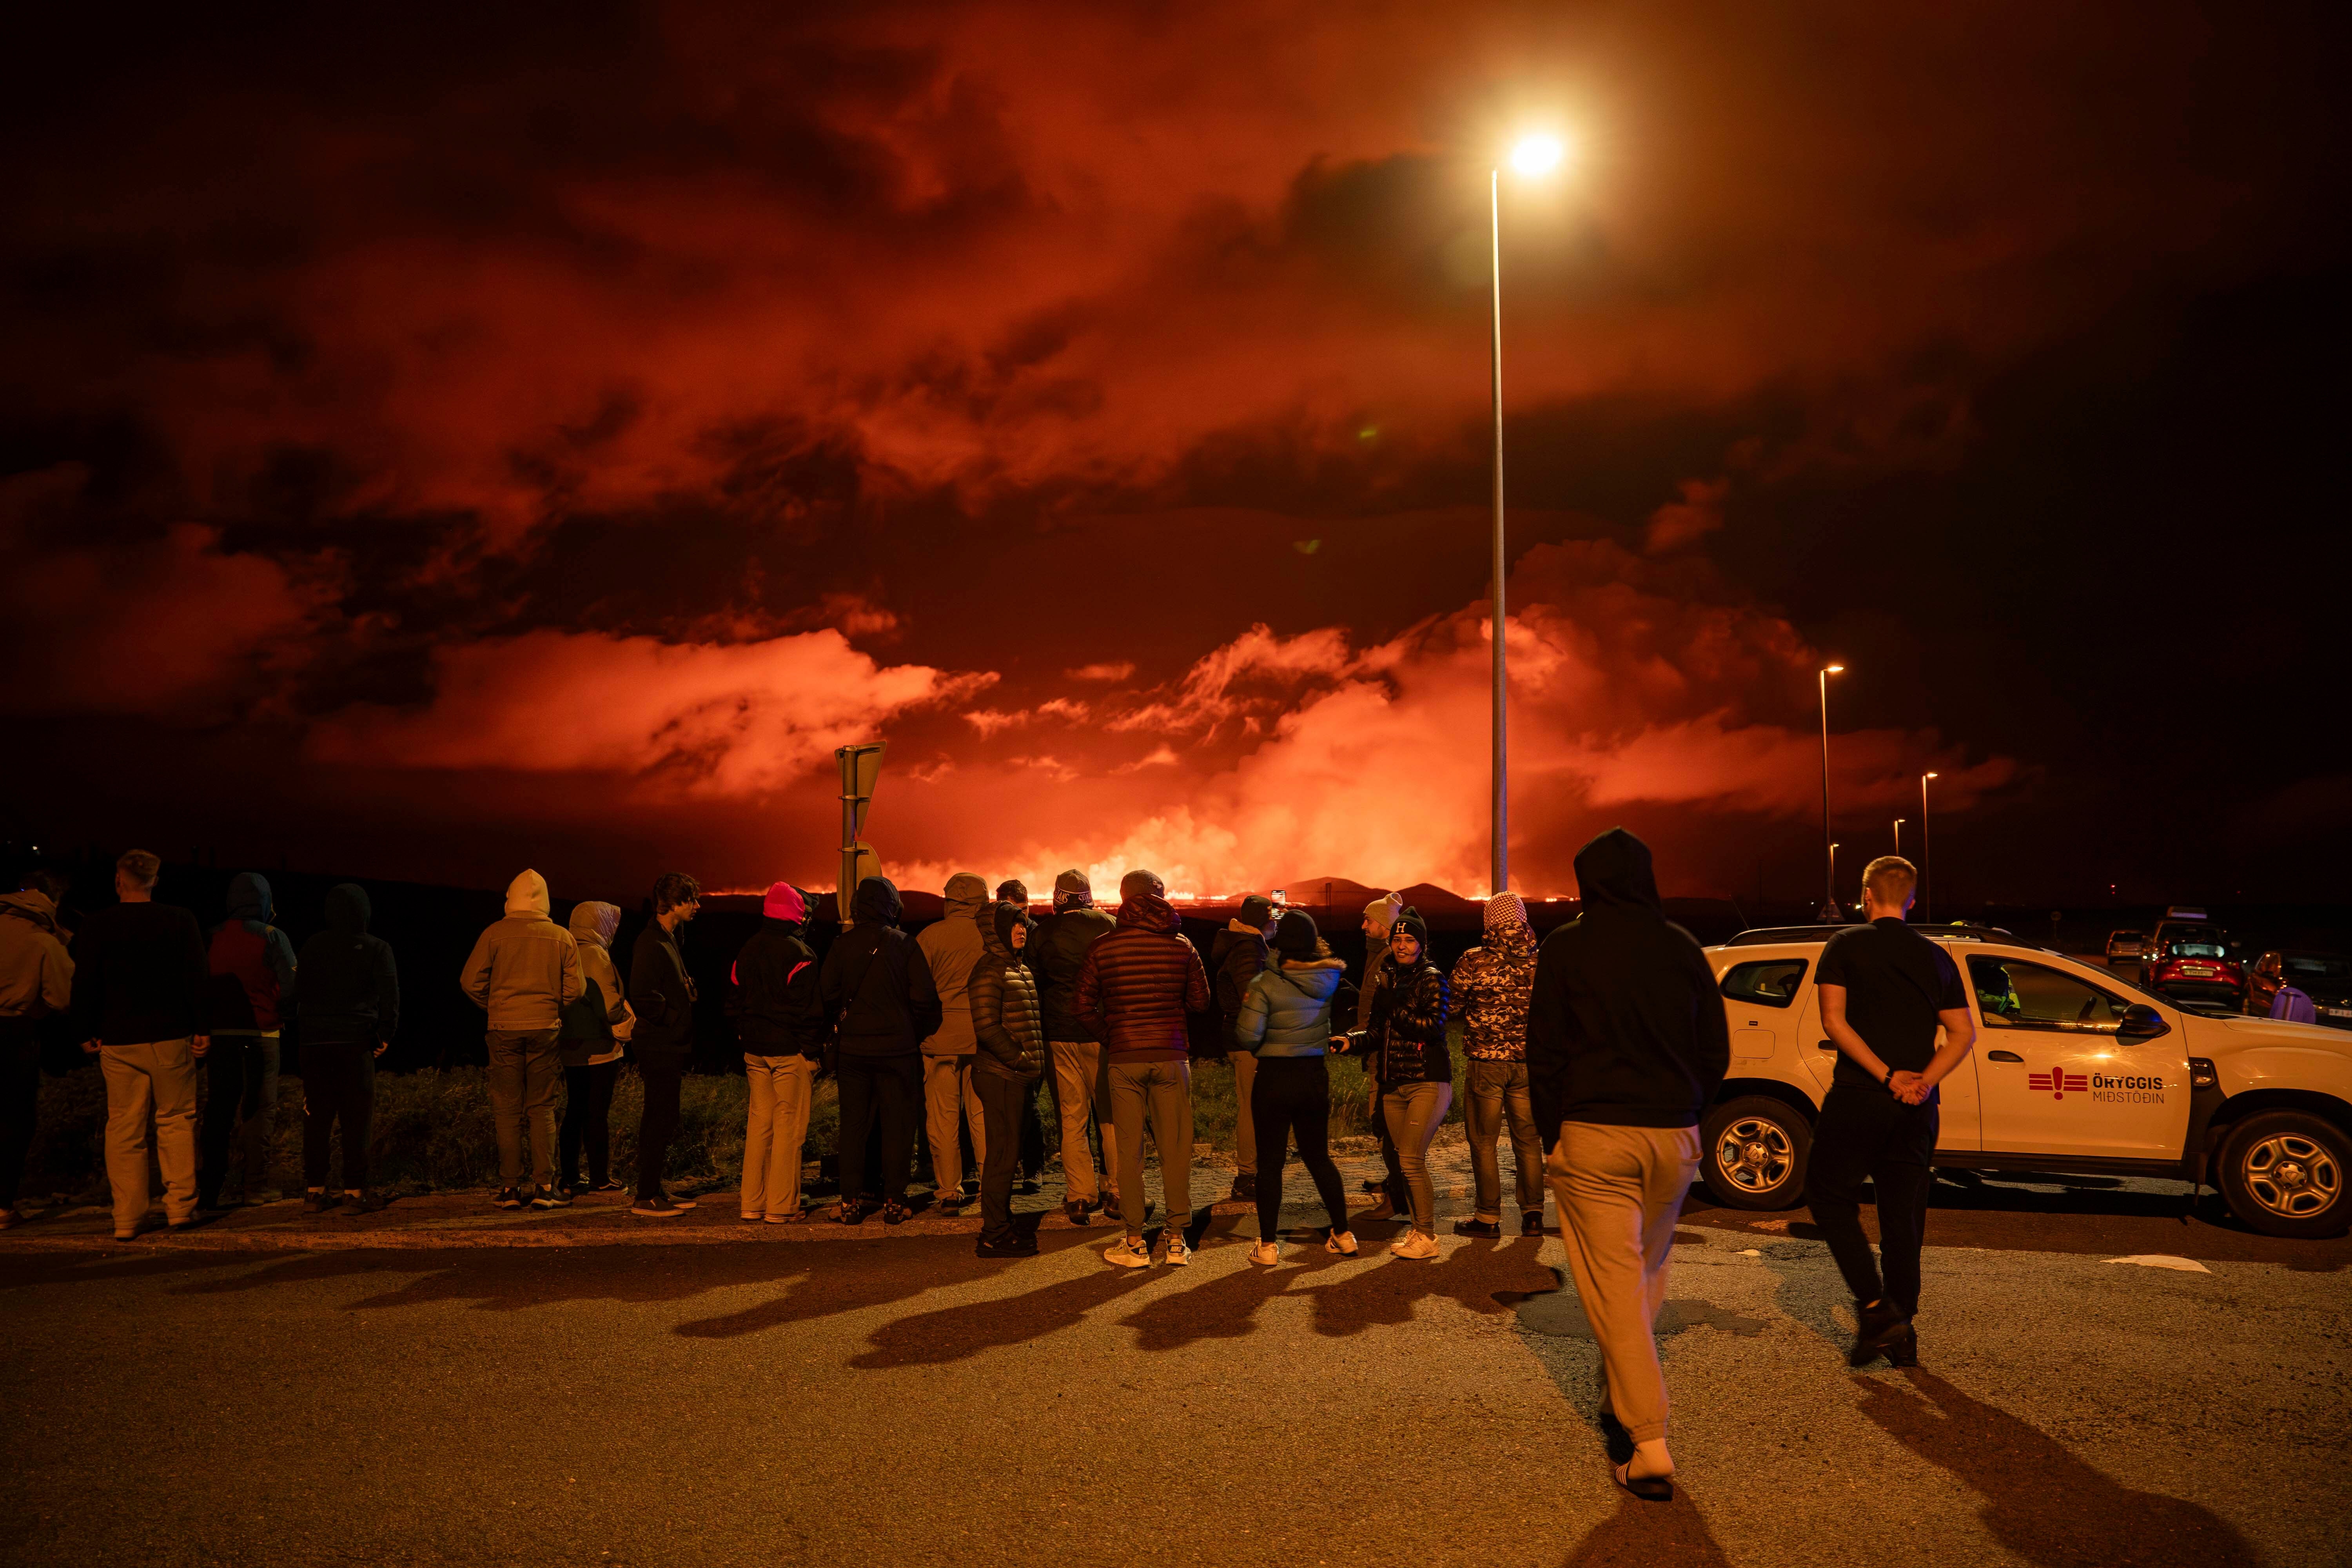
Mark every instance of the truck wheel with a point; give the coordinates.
(1752, 1153)
(2285, 1173)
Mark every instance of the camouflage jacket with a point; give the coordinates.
(1491, 987)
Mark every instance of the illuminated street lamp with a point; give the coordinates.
(1829, 895)
(1924, 845)
(1898, 837)
(1533, 157)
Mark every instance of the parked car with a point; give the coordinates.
(2325, 977)
(2074, 1070)
(2131, 945)
(2189, 960)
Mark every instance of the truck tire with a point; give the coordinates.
(1753, 1152)
(2288, 1172)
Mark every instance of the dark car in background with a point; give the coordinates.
(2189, 960)
(2325, 977)
(2128, 945)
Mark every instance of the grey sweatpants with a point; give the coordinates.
(1165, 1089)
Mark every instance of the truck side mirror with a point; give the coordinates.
(2141, 1022)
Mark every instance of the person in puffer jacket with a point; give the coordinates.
(1285, 1021)
(1491, 987)
(1010, 1027)
(594, 1033)
(779, 1017)
(1134, 989)
(253, 970)
(877, 992)
(1414, 1069)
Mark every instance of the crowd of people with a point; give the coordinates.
(1598, 1050)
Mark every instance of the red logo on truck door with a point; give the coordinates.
(2057, 1082)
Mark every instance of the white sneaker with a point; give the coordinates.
(1415, 1246)
(1342, 1242)
(1178, 1255)
(1127, 1252)
(1267, 1253)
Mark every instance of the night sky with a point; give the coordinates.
(442, 439)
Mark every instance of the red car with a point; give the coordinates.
(2190, 961)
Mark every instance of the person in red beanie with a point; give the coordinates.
(772, 998)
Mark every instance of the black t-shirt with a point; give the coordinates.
(1895, 981)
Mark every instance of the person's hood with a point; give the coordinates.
(347, 910)
(595, 923)
(996, 931)
(784, 903)
(1318, 978)
(966, 895)
(1507, 923)
(1243, 928)
(1149, 911)
(875, 900)
(1613, 871)
(526, 895)
(31, 905)
(248, 897)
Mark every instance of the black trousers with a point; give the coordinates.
(663, 1072)
(20, 1101)
(1868, 1134)
(887, 1090)
(587, 1121)
(1001, 1102)
(1292, 1097)
(240, 1111)
(1032, 1133)
(338, 1086)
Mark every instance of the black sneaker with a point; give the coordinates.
(1485, 1229)
(1016, 1247)
(1075, 1211)
(320, 1202)
(1244, 1189)
(1531, 1222)
(1876, 1327)
(1374, 1183)
(655, 1207)
(508, 1199)
(368, 1202)
(550, 1198)
(1110, 1209)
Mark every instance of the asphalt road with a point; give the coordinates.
(899, 1401)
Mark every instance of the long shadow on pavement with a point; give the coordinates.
(959, 1332)
(2041, 1501)
(1481, 1276)
(1647, 1534)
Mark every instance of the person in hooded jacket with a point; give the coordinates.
(1284, 1022)
(590, 1043)
(36, 983)
(1415, 1071)
(772, 994)
(1236, 955)
(951, 945)
(351, 1010)
(523, 972)
(1491, 986)
(877, 989)
(662, 995)
(253, 970)
(1627, 1045)
(1081, 1087)
(1010, 1027)
(1136, 987)
(1013, 891)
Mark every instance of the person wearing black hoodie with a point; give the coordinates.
(1626, 1047)
(1056, 952)
(1236, 955)
(876, 987)
(351, 1010)
(1010, 1028)
(661, 994)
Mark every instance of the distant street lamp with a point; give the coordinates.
(1924, 846)
(1898, 837)
(1829, 893)
(1534, 157)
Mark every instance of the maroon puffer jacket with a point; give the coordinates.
(1138, 983)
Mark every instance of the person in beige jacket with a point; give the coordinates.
(952, 945)
(36, 980)
(524, 970)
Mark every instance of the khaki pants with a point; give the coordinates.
(161, 1074)
(1619, 1190)
(775, 1133)
(524, 1069)
(1245, 1066)
(1081, 1093)
(1498, 1092)
(947, 1095)
(1164, 1090)
(1414, 1112)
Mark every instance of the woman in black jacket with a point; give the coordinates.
(1414, 1069)
(1010, 1026)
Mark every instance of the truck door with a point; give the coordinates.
(1958, 1122)
(2057, 1078)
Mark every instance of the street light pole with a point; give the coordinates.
(1926, 845)
(1501, 827)
(1898, 837)
(1829, 893)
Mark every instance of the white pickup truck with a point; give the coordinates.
(2075, 1069)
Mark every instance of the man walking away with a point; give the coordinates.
(589, 1046)
(1379, 919)
(1057, 951)
(1626, 1047)
(1236, 955)
(35, 982)
(1491, 986)
(252, 983)
(1011, 1035)
(1134, 988)
(1885, 990)
(523, 972)
(780, 1019)
(139, 992)
(661, 994)
(351, 1010)
(877, 990)
(952, 946)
